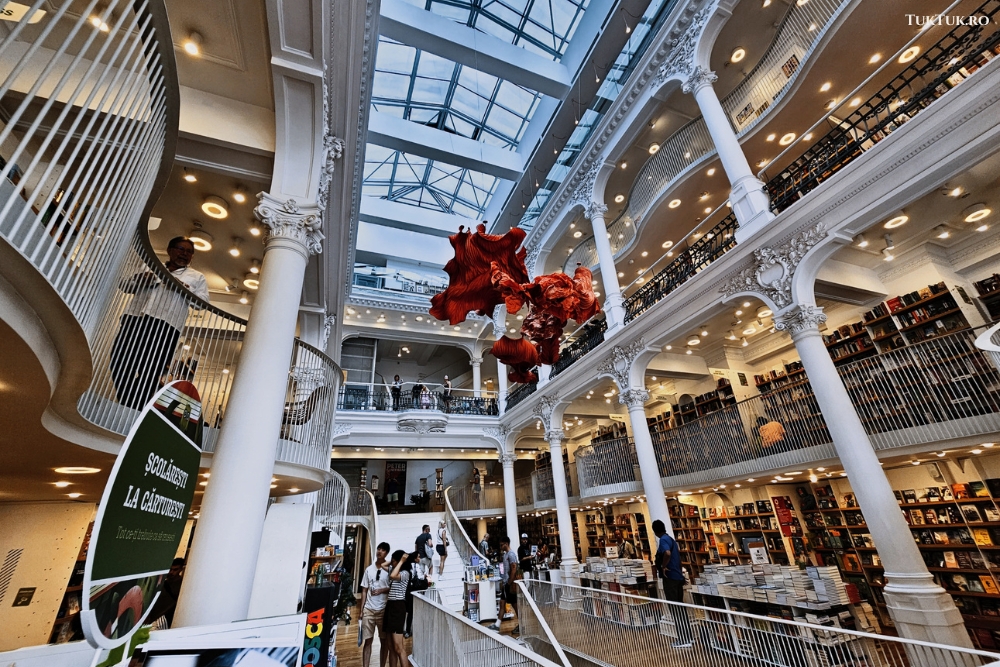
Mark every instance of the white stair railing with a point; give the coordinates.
(620, 630)
(459, 538)
(331, 504)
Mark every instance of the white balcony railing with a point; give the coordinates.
(154, 331)
(488, 500)
(91, 106)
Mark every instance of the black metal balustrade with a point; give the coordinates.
(591, 336)
(941, 67)
(519, 392)
(369, 397)
(696, 257)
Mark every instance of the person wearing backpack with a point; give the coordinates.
(418, 582)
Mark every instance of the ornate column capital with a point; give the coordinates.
(619, 363)
(771, 273)
(698, 79)
(288, 224)
(633, 398)
(802, 319)
(555, 436)
(594, 210)
(499, 319)
(475, 361)
(507, 460)
(682, 47)
(543, 409)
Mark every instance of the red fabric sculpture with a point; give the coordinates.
(488, 270)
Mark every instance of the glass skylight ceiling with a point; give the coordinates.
(411, 179)
(612, 85)
(540, 26)
(431, 90)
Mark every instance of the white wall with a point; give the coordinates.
(50, 535)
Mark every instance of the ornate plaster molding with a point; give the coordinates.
(530, 260)
(507, 460)
(544, 407)
(773, 268)
(333, 150)
(498, 433)
(681, 61)
(555, 437)
(584, 192)
(801, 319)
(619, 363)
(328, 323)
(285, 219)
(632, 398)
(340, 430)
(422, 421)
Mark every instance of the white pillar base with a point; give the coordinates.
(570, 598)
(923, 610)
(751, 206)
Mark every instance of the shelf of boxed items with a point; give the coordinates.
(840, 537)
(741, 523)
(957, 528)
(989, 295)
(64, 629)
(609, 578)
(690, 536)
(479, 598)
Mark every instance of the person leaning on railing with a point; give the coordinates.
(151, 326)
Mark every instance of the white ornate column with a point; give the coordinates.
(920, 608)
(619, 367)
(567, 547)
(477, 378)
(220, 570)
(509, 497)
(748, 196)
(612, 304)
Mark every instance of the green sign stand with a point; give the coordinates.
(142, 516)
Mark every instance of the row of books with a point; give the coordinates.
(960, 560)
(957, 491)
(900, 302)
(777, 374)
(851, 348)
(723, 512)
(971, 583)
(982, 537)
(822, 520)
(949, 514)
(838, 538)
(927, 312)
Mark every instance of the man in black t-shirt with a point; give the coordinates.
(526, 561)
(425, 547)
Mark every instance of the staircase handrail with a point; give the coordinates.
(466, 549)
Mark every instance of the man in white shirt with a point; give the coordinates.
(374, 595)
(151, 325)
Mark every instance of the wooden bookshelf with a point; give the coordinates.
(850, 342)
(726, 528)
(914, 317)
(690, 536)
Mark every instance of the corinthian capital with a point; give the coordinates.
(555, 436)
(699, 78)
(507, 460)
(804, 318)
(595, 209)
(296, 226)
(633, 398)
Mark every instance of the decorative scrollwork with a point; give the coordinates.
(631, 398)
(773, 268)
(801, 319)
(619, 363)
(285, 219)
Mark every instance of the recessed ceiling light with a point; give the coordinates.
(982, 228)
(645, 253)
(909, 54)
(674, 203)
(955, 192)
(577, 234)
(808, 136)
(251, 281)
(667, 244)
(856, 101)
(772, 137)
(77, 470)
(896, 221)
(787, 139)
(621, 274)
(976, 212)
(825, 87)
(654, 148)
(708, 209)
(749, 331)
(74, 495)
(192, 45)
(624, 165)
(875, 58)
(215, 207)
(61, 485)
(619, 198)
(694, 340)
(739, 53)
(239, 196)
(189, 177)
(711, 172)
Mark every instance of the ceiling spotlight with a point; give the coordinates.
(621, 274)
(710, 172)
(688, 351)
(954, 192)
(909, 54)
(74, 495)
(624, 165)
(787, 139)
(825, 87)
(254, 229)
(189, 177)
(856, 101)
(731, 335)
(976, 212)
(896, 221)
(215, 207)
(193, 44)
(577, 234)
(889, 244)
(875, 58)
(235, 249)
(251, 281)
(667, 244)
(887, 254)
(764, 312)
(694, 340)
(743, 342)
(240, 195)
(97, 22)
(654, 148)
(771, 137)
(244, 298)
(255, 267)
(667, 348)
(704, 331)
(201, 239)
(645, 253)
(619, 198)
(61, 485)
(982, 228)
(739, 53)
(674, 203)
(942, 232)
(749, 331)
(862, 241)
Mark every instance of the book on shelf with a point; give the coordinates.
(989, 584)
(971, 513)
(950, 561)
(982, 537)
(909, 496)
(960, 491)
(978, 490)
(916, 517)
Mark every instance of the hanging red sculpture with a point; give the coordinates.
(489, 270)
